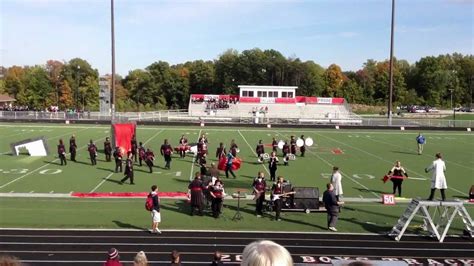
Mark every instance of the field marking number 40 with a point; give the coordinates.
(24, 171)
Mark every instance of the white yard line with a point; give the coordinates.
(23, 176)
(376, 156)
(263, 164)
(191, 176)
(152, 137)
(100, 184)
(342, 173)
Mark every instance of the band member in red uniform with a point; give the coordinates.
(166, 151)
(108, 150)
(72, 148)
(203, 139)
(217, 194)
(134, 145)
(233, 148)
(303, 148)
(201, 147)
(286, 151)
(141, 153)
(272, 165)
(128, 170)
(259, 185)
(118, 159)
(195, 191)
(183, 143)
(274, 145)
(220, 152)
(92, 152)
(62, 152)
(293, 145)
(149, 158)
(260, 150)
(277, 189)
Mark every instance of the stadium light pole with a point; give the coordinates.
(112, 87)
(77, 87)
(390, 82)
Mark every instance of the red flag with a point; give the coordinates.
(236, 163)
(385, 178)
(122, 134)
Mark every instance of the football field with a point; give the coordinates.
(363, 156)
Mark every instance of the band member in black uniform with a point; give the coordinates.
(128, 170)
(107, 150)
(118, 159)
(274, 145)
(217, 194)
(141, 153)
(72, 148)
(260, 150)
(220, 152)
(396, 173)
(92, 152)
(272, 165)
(195, 194)
(134, 145)
(233, 148)
(183, 144)
(277, 189)
(286, 152)
(259, 185)
(62, 152)
(166, 151)
(293, 145)
(303, 148)
(201, 147)
(149, 158)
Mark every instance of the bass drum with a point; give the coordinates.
(300, 142)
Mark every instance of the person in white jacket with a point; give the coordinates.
(336, 181)
(438, 180)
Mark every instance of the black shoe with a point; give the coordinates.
(132, 183)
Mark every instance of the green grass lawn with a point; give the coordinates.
(363, 156)
(461, 116)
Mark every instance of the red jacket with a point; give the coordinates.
(112, 263)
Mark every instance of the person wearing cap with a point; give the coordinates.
(113, 258)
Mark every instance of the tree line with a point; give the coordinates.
(430, 81)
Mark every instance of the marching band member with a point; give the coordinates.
(195, 194)
(260, 150)
(233, 148)
(217, 194)
(128, 169)
(303, 148)
(277, 189)
(293, 145)
(214, 172)
(202, 165)
(118, 159)
(62, 152)
(141, 153)
(107, 149)
(272, 165)
(133, 143)
(396, 173)
(201, 147)
(149, 158)
(220, 152)
(183, 143)
(228, 167)
(274, 145)
(286, 151)
(166, 151)
(92, 152)
(72, 147)
(259, 185)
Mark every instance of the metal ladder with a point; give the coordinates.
(447, 211)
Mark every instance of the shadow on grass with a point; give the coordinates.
(114, 181)
(84, 163)
(405, 152)
(54, 163)
(106, 169)
(369, 227)
(370, 190)
(128, 226)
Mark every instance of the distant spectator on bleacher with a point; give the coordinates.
(113, 258)
(140, 259)
(217, 260)
(175, 258)
(8, 260)
(265, 253)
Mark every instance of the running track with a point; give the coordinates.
(89, 247)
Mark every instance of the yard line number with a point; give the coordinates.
(48, 171)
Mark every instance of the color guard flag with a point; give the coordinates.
(122, 136)
(236, 163)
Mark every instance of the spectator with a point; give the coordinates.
(217, 260)
(175, 258)
(332, 206)
(265, 253)
(113, 258)
(140, 259)
(8, 260)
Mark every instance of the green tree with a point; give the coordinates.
(38, 88)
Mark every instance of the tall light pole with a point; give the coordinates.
(112, 30)
(77, 87)
(390, 83)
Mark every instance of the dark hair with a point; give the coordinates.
(174, 256)
(217, 256)
(154, 187)
(335, 168)
(438, 155)
(328, 185)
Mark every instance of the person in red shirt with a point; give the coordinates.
(149, 158)
(113, 258)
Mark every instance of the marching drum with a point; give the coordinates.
(300, 142)
(309, 142)
(265, 156)
(194, 149)
(281, 143)
(291, 156)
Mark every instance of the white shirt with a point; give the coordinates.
(336, 179)
(438, 180)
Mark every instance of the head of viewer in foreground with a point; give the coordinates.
(266, 253)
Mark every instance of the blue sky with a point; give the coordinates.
(345, 32)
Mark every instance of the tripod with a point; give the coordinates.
(238, 216)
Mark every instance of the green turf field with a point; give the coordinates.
(363, 156)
